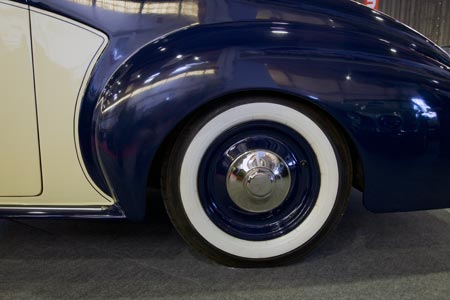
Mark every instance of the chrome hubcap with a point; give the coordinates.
(258, 181)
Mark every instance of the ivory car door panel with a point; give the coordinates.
(64, 53)
(20, 171)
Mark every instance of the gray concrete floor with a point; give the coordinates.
(391, 256)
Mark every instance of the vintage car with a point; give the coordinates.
(253, 118)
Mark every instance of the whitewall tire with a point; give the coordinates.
(257, 181)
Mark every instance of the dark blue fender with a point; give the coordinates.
(390, 99)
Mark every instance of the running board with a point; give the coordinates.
(90, 212)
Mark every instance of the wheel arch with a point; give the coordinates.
(154, 174)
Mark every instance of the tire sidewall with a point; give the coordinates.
(174, 200)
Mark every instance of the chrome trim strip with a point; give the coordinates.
(96, 209)
(94, 212)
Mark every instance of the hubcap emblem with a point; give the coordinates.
(259, 182)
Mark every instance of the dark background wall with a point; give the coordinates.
(430, 17)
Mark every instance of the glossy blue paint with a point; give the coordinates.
(387, 86)
(305, 178)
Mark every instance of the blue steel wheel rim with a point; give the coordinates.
(259, 135)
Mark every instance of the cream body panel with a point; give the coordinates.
(64, 53)
(20, 171)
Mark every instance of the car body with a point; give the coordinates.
(95, 94)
